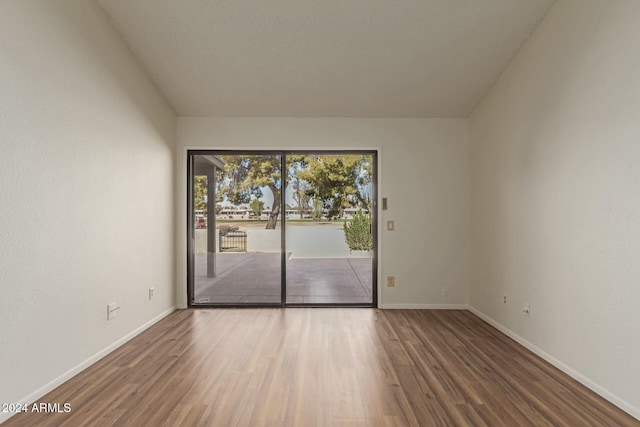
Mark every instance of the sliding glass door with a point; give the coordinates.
(282, 228)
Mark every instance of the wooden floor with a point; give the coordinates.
(317, 367)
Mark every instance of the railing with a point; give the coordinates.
(233, 241)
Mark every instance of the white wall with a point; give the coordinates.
(555, 190)
(86, 205)
(424, 174)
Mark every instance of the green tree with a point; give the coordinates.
(317, 211)
(257, 206)
(245, 176)
(200, 193)
(339, 181)
(301, 193)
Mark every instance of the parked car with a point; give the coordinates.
(201, 223)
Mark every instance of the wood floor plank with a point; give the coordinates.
(324, 367)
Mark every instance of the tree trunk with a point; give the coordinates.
(273, 216)
(364, 202)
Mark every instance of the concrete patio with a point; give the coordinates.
(255, 278)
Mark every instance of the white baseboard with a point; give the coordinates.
(620, 403)
(425, 306)
(28, 400)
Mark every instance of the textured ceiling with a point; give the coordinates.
(325, 58)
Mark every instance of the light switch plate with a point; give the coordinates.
(111, 311)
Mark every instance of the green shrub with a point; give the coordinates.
(357, 232)
(226, 229)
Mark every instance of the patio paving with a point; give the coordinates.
(255, 278)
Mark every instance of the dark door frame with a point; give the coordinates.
(283, 261)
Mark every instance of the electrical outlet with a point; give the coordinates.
(526, 309)
(152, 292)
(504, 299)
(391, 281)
(444, 291)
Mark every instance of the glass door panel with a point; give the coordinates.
(329, 220)
(236, 245)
